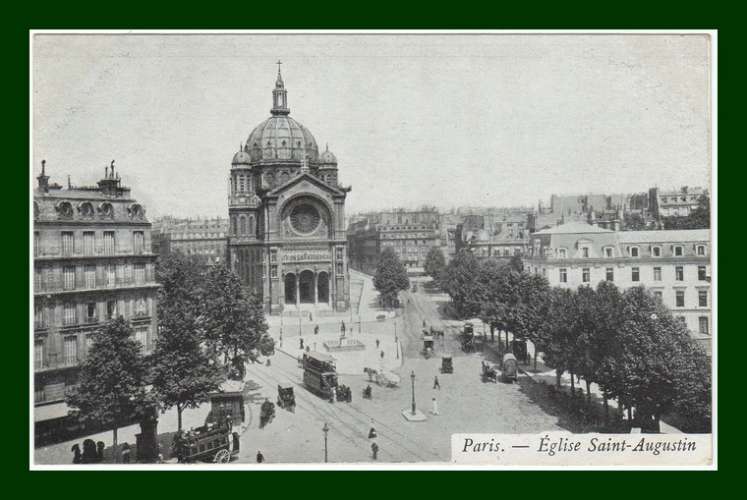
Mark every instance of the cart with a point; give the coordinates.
(489, 373)
(286, 397)
(447, 366)
(510, 368)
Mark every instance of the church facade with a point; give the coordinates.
(286, 237)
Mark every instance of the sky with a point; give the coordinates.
(445, 119)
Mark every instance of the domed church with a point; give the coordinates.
(286, 210)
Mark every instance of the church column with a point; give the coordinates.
(329, 289)
(316, 288)
(298, 289)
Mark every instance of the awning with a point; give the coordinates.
(50, 412)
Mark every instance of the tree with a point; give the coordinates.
(184, 373)
(460, 281)
(234, 322)
(111, 385)
(699, 218)
(390, 278)
(435, 263)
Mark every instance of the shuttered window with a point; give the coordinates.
(68, 277)
(140, 273)
(138, 242)
(90, 274)
(89, 243)
(69, 315)
(68, 243)
(70, 353)
(109, 243)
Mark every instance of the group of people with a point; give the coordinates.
(93, 452)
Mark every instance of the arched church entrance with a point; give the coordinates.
(290, 288)
(306, 287)
(323, 287)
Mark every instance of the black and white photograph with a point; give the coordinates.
(366, 250)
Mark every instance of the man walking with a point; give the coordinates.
(260, 457)
(375, 451)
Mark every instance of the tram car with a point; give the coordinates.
(319, 373)
(447, 365)
(427, 344)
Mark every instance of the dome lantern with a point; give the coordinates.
(279, 96)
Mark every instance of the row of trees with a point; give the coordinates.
(628, 343)
(207, 323)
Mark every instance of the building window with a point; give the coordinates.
(140, 273)
(68, 243)
(111, 309)
(89, 243)
(37, 280)
(109, 243)
(339, 268)
(585, 252)
(702, 273)
(242, 186)
(701, 250)
(679, 273)
(68, 278)
(635, 274)
(138, 242)
(39, 317)
(585, 275)
(91, 312)
(141, 307)
(608, 252)
(561, 253)
(702, 298)
(273, 271)
(656, 251)
(69, 315)
(679, 297)
(682, 320)
(678, 251)
(38, 354)
(703, 325)
(634, 251)
(610, 272)
(37, 244)
(90, 274)
(658, 295)
(70, 352)
(127, 273)
(111, 275)
(657, 274)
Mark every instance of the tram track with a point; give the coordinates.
(357, 420)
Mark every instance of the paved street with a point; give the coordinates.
(465, 403)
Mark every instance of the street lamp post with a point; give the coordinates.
(325, 429)
(412, 378)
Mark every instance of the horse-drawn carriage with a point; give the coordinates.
(286, 397)
(489, 373)
(427, 344)
(467, 338)
(510, 368)
(210, 443)
(382, 378)
(447, 365)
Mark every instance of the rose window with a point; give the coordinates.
(304, 219)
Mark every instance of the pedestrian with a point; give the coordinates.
(372, 431)
(100, 450)
(300, 343)
(125, 453)
(311, 317)
(377, 343)
(316, 330)
(260, 457)
(268, 362)
(382, 354)
(76, 453)
(436, 384)
(342, 327)
(375, 450)
(434, 406)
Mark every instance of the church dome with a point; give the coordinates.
(327, 157)
(280, 137)
(241, 158)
